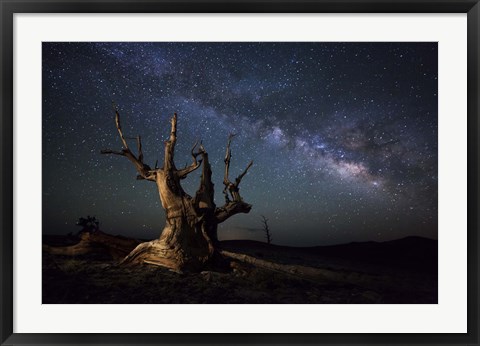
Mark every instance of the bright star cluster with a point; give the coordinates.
(343, 135)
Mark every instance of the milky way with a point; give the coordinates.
(343, 135)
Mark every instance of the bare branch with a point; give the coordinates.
(192, 152)
(228, 157)
(230, 209)
(240, 177)
(169, 164)
(230, 187)
(182, 173)
(119, 129)
(236, 205)
(144, 170)
(173, 131)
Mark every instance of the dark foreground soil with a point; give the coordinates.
(403, 271)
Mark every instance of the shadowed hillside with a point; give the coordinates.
(415, 253)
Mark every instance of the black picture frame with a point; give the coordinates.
(9, 7)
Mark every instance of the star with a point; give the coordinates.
(343, 135)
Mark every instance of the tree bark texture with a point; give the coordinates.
(188, 240)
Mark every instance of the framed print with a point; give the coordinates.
(241, 173)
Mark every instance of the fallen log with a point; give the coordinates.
(316, 275)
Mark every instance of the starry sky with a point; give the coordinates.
(343, 135)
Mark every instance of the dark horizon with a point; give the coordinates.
(343, 135)
(263, 241)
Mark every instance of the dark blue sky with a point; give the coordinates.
(343, 135)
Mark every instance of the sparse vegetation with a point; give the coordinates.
(333, 276)
(89, 224)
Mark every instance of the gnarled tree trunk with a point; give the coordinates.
(188, 240)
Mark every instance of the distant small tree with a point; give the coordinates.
(88, 224)
(266, 229)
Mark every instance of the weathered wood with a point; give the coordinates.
(319, 275)
(144, 171)
(299, 271)
(96, 242)
(182, 173)
(230, 187)
(188, 239)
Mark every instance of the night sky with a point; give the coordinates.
(343, 135)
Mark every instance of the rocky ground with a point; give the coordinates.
(403, 271)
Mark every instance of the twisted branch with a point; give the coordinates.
(231, 190)
(182, 173)
(230, 187)
(144, 170)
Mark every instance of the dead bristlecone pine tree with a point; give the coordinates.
(189, 238)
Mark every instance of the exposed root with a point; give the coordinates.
(157, 252)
